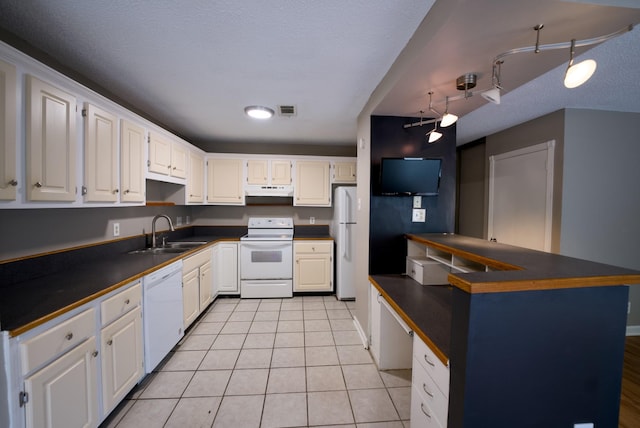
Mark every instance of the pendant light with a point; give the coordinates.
(579, 73)
(448, 119)
(434, 135)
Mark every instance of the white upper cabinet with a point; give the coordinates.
(195, 178)
(225, 181)
(132, 181)
(273, 172)
(313, 184)
(167, 157)
(51, 142)
(8, 178)
(100, 155)
(344, 172)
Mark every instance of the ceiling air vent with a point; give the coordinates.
(287, 111)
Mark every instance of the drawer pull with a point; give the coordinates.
(110, 342)
(424, 411)
(424, 387)
(126, 302)
(38, 184)
(94, 353)
(13, 182)
(69, 336)
(428, 361)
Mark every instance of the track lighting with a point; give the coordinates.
(579, 73)
(493, 94)
(434, 135)
(448, 119)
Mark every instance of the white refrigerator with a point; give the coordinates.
(343, 230)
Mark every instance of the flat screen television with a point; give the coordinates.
(410, 176)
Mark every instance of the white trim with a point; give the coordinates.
(363, 335)
(633, 330)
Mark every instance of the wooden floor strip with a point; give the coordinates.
(630, 397)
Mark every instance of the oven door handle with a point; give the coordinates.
(266, 245)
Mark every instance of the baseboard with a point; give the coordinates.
(633, 330)
(363, 335)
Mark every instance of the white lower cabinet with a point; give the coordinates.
(226, 268)
(197, 285)
(313, 266)
(429, 388)
(64, 392)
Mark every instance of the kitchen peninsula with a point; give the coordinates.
(530, 338)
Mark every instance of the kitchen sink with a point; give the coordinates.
(170, 248)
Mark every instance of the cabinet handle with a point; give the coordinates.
(116, 190)
(424, 387)
(428, 361)
(175, 167)
(69, 336)
(126, 302)
(38, 184)
(126, 191)
(424, 411)
(13, 183)
(110, 342)
(94, 353)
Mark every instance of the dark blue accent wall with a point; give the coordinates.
(390, 216)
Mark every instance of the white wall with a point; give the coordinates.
(601, 195)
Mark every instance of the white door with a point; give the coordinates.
(132, 177)
(100, 155)
(521, 195)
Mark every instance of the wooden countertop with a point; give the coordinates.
(521, 269)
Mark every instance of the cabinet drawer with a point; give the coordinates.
(429, 393)
(57, 340)
(427, 272)
(316, 247)
(422, 415)
(197, 260)
(120, 303)
(431, 364)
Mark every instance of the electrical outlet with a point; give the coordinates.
(419, 215)
(417, 202)
(116, 229)
(188, 220)
(312, 220)
(178, 221)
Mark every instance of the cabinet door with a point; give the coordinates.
(344, 172)
(280, 172)
(159, 154)
(206, 285)
(226, 269)
(190, 296)
(132, 179)
(195, 178)
(179, 156)
(313, 187)
(51, 143)
(64, 393)
(312, 272)
(257, 172)
(8, 178)
(122, 360)
(225, 182)
(100, 155)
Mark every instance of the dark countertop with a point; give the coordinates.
(521, 269)
(425, 308)
(36, 290)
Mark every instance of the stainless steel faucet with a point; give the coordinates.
(153, 227)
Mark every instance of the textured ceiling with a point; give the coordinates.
(194, 65)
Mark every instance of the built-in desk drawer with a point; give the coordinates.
(120, 304)
(57, 340)
(430, 394)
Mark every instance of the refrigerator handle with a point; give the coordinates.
(345, 208)
(345, 247)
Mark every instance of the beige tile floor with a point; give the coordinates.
(269, 363)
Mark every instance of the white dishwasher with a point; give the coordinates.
(162, 313)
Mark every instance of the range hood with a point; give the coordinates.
(259, 190)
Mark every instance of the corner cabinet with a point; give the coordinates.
(132, 179)
(312, 184)
(8, 177)
(225, 181)
(100, 155)
(195, 178)
(51, 142)
(312, 265)
(167, 157)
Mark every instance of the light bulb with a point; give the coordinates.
(258, 112)
(579, 73)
